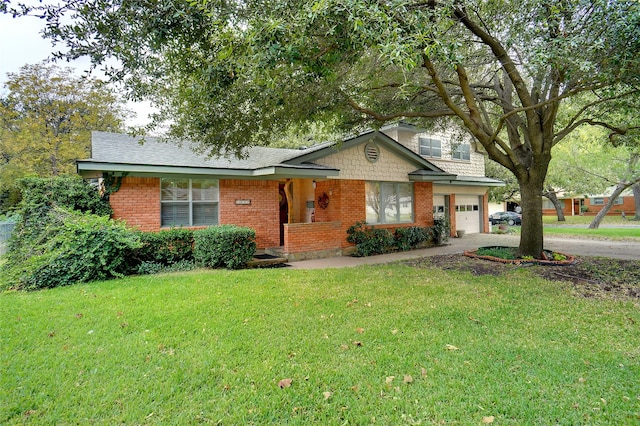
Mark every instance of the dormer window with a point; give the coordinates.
(462, 152)
(430, 147)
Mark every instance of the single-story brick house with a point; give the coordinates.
(590, 205)
(300, 202)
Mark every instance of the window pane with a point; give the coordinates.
(205, 214)
(462, 152)
(175, 190)
(204, 190)
(372, 191)
(174, 214)
(430, 147)
(388, 200)
(405, 201)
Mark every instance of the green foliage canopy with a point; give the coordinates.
(46, 119)
(234, 73)
(64, 235)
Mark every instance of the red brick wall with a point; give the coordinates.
(567, 205)
(347, 204)
(485, 212)
(262, 215)
(138, 202)
(628, 207)
(308, 237)
(423, 203)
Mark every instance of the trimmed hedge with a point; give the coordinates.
(227, 246)
(165, 247)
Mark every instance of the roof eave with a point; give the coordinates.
(92, 168)
(473, 181)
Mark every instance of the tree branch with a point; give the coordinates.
(570, 127)
(382, 117)
(615, 130)
(502, 56)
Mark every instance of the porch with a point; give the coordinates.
(310, 240)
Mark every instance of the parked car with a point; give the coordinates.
(509, 218)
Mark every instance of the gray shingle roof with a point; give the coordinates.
(125, 149)
(114, 152)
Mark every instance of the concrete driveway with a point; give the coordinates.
(580, 247)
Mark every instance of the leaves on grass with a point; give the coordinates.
(79, 316)
(407, 378)
(357, 343)
(285, 383)
(389, 379)
(451, 348)
(327, 395)
(360, 330)
(488, 419)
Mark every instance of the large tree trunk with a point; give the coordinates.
(531, 238)
(551, 195)
(636, 199)
(595, 223)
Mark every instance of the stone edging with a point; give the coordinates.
(570, 259)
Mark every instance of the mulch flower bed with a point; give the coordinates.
(547, 258)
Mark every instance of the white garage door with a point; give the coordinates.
(468, 213)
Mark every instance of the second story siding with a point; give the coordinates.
(443, 149)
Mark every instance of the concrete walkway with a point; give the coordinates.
(580, 247)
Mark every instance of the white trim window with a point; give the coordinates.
(430, 147)
(188, 202)
(597, 201)
(389, 202)
(462, 152)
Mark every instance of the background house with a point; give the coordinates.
(300, 202)
(590, 205)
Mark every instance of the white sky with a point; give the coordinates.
(21, 43)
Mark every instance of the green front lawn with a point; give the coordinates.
(586, 220)
(387, 344)
(610, 233)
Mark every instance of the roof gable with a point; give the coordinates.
(324, 150)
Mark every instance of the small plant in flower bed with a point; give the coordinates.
(499, 252)
(411, 237)
(369, 240)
